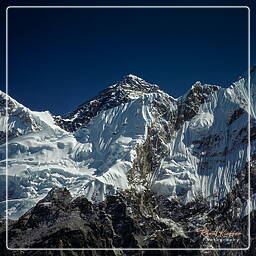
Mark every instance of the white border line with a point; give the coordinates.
(6, 123)
(129, 7)
(249, 127)
(132, 249)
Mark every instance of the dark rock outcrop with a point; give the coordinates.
(188, 105)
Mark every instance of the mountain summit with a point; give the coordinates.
(132, 82)
(129, 88)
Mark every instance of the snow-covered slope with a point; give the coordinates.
(131, 136)
(208, 150)
(21, 120)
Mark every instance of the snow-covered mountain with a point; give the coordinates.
(131, 136)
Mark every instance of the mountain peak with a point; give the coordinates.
(131, 76)
(197, 83)
(132, 82)
(129, 88)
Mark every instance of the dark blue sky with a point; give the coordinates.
(58, 58)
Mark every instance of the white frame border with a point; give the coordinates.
(248, 148)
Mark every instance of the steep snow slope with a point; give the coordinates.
(132, 135)
(208, 150)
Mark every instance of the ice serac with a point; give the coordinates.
(131, 136)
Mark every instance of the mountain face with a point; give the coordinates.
(131, 87)
(132, 140)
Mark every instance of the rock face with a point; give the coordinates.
(138, 166)
(58, 221)
(189, 104)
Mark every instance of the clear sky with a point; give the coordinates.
(59, 58)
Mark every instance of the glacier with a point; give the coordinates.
(131, 136)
